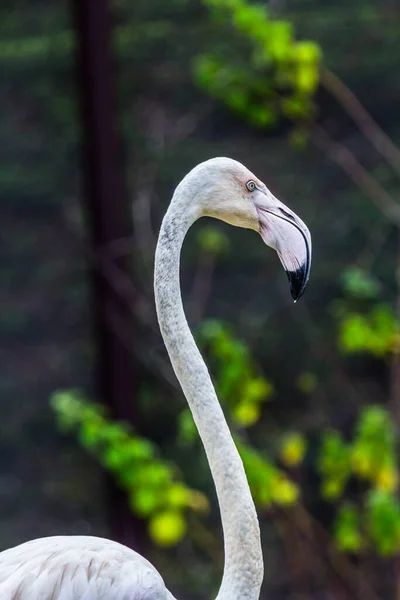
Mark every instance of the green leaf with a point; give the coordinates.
(347, 529)
(307, 52)
(293, 449)
(357, 282)
(306, 78)
(144, 501)
(383, 522)
(167, 528)
(246, 414)
(280, 39)
(333, 464)
(186, 427)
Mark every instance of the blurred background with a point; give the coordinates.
(104, 108)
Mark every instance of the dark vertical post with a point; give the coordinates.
(109, 219)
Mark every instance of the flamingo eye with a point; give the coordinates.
(251, 185)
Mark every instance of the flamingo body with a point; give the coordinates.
(78, 568)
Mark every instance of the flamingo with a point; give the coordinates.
(92, 568)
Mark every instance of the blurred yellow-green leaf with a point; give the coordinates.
(293, 449)
(284, 491)
(167, 528)
(347, 533)
(246, 413)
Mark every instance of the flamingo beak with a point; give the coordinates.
(283, 230)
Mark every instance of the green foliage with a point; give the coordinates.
(269, 485)
(374, 332)
(348, 528)
(293, 449)
(370, 458)
(358, 283)
(167, 527)
(187, 428)
(374, 448)
(376, 524)
(334, 465)
(239, 384)
(155, 490)
(276, 77)
(366, 324)
(383, 522)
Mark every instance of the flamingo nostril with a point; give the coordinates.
(286, 214)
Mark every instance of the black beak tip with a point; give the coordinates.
(298, 281)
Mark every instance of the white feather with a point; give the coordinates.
(78, 568)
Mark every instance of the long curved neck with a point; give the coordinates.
(243, 570)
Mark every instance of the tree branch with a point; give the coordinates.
(350, 164)
(349, 101)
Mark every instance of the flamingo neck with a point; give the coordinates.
(243, 569)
